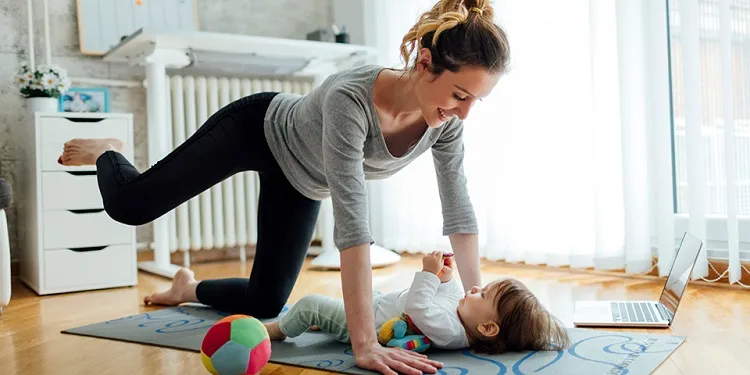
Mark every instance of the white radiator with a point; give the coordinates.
(225, 216)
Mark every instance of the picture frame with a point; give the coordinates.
(85, 99)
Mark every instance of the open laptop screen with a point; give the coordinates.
(679, 276)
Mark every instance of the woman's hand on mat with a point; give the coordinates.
(394, 361)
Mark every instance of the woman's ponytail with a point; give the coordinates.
(458, 33)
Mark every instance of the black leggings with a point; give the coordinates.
(230, 141)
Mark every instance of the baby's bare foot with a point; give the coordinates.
(81, 151)
(182, 290)
(274, 332)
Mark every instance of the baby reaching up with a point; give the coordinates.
(501, 316)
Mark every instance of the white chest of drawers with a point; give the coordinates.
(67, 241)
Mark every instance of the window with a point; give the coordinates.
(718, 107)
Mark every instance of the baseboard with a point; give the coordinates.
(718, 265)
(201, 256)
(15, 269)
(233, 254)
(206, 256)
(721, 266)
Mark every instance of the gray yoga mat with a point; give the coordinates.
(592, 352)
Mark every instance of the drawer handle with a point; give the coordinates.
(82, 173)
(87, 249)
(87, 211)
(84, 119)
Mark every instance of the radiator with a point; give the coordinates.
(225, 216)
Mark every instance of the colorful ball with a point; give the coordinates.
(236, 345)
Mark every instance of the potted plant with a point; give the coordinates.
(42, 86)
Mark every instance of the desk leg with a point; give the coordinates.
(156, 95)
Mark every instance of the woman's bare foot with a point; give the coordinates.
(81, 151)
(182, 290)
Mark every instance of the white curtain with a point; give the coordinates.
(570, 159)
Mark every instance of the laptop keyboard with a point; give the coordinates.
(638, 312)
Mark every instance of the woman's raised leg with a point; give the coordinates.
(230, 141)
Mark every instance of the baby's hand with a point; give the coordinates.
(447, 273)
(433, 262)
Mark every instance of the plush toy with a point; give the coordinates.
(236, 345)
(402, 333)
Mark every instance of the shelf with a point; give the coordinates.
(203, 49)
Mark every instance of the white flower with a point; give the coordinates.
(64, 86)
(49, 81)
(24, 80)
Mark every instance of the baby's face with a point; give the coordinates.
(478, 306)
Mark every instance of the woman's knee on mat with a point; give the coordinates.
(264, 308)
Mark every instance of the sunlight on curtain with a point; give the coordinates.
(535, 159)
(549, 152)
(557, 158)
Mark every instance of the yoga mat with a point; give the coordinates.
(591, 352)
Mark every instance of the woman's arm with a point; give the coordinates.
(356, 282)
(459, 219)
(466, 248)
(344, 135)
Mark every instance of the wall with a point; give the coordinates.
(277, 18)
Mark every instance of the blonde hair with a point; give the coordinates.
(524, 323)
(458, 33)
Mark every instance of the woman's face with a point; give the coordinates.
(450, 94)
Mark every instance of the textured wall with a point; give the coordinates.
(277, 18)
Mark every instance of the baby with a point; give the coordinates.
(502, 316)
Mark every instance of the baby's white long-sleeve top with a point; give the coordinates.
(431, 305)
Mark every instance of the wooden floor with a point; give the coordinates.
(715, 320)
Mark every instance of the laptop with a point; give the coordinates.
(647, 314)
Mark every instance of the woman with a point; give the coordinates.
(363, 123)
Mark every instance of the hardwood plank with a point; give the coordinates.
(668, 368)
(713, 319)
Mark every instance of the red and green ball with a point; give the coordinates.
(236, 345)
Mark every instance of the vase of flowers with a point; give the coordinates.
(42, 86)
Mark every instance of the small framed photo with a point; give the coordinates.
(85, 99)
